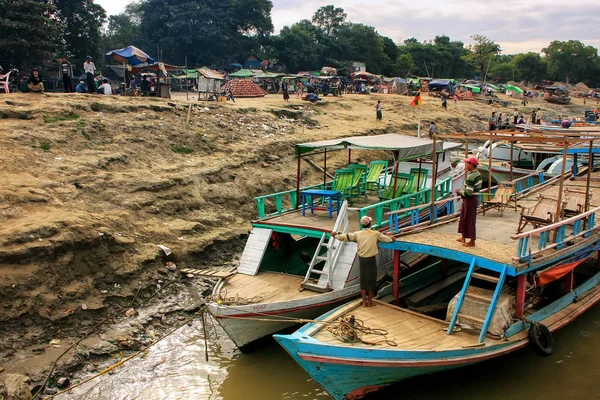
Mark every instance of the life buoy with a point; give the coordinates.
(541, 340)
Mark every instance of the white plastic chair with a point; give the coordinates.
(4, 81)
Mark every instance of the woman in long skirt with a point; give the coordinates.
(468, 209)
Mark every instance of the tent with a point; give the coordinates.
(515, 89)
(415, 83)
(364, 75)
(437, 85)
(129, 55)
(472, 88)
(242, 73)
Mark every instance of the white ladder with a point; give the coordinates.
(331, 256)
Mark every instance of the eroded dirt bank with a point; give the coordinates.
(90, 185)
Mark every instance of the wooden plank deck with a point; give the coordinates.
(494, 232)
(409, 330)
(270, 286)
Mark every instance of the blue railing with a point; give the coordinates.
(282, 201)
(423, 196)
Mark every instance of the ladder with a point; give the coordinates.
(485, 324)
(330, 257)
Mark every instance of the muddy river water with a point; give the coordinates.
(176, 369)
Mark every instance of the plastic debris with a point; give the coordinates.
(165, 249)
(84, 306)
(171, 266)
(130, 312)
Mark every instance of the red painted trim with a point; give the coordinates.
(520, 300)
(287, 310)
(453, 361)
(362, 392)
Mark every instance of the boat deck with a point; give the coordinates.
(320, 219)
(269, 286)
(494, 232)
(409, 330)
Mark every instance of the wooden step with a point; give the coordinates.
(484, 277)
(319, 272)
(316, 288)
(209, 273)
(471, 319)
(321, 258)
(478, 297)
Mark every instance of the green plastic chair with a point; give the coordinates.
(403, 181)
(419, 180)
(374, 180)
(343, 182)
(360, 174)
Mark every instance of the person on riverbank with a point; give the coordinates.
(445, 103)
(34, 83)
(89, 68)
(468, 209)
(432, 130)
(67, 74)
(300, 89)
(284, 90)
(538, 117)
(515, 116)
(378, 113)
(81, 87)
(368, 247)
(105, 88)
(492, 122)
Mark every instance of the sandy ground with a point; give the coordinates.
(91, 184)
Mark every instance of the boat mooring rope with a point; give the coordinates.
(352, 330)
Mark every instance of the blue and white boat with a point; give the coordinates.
(473, 303)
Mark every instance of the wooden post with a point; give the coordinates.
(433, 179)
(520, 301)
(298, 199)
(561, 184)
(396, 155)
(466, 147)
(325, 168)
(490, 166)
(396, 279)
(444, 265)
(589, 175)
(569, 280)
(349, 156)
(512, 145)
(419, 176)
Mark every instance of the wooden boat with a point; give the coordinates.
(291, 268)
(556, 99)
(509, 292)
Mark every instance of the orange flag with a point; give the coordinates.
(417, 100)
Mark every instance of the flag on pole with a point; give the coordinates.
(417, 100)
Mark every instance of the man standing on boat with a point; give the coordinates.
(367, 241)
(468, 209)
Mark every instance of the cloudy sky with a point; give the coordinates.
(517, 25)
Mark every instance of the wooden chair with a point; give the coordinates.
(575, 202)
(419, 180)
(402, 182)
(343, 181)
(501, 198)
(542, 213)
(359, 184)
(374, 180)
(4, 81)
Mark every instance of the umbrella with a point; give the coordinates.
(129, 55)
(363, 75)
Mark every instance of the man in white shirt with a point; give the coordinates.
(105, 88)
(89, 68)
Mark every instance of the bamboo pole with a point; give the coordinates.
(512, 146)
(325, 168)
(562, 182)
(490, 165)
(589, 175)
(298, 200)
(433, 180)
(396, 156)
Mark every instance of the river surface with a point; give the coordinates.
(176, 369)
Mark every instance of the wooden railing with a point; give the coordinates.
(281, 200)
(583, 225)
(423, 196)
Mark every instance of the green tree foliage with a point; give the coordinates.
(29, 33)
(363, 43)
(124, 29)
(212, 32)
(503, 71)
(82, 20)
(531, 66)
(482, 53)
(299, 47)
(330, 19)
(571, 60)
(404, 65)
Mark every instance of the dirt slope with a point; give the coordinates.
(91, 184)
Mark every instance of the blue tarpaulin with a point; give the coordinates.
(441, 84)
(129, 55)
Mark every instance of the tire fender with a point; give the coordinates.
(541, 340)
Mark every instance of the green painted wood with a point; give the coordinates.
(372, 179)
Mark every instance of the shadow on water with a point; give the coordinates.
(176, 369)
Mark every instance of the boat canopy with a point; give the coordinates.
(408, 147)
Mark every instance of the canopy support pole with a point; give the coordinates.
(589, 175)
(434, 157)
(562, 182)
(298, 182)
(396, 156)
(490, 168)
(349, 156)
(419, 176)
(325, 168)
(512, 146)
(419, 125)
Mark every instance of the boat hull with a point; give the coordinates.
(247, 324)
(350, 372)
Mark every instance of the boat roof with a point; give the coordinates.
(408, 147)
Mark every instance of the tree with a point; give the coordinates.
(330, 19)
(481, 54)
(298, 46)
(29, 33)
(571, 60)
(363, 43)
(531, 66)
(207, 32)
(404, 65)
(503, 71)
(124, 29)
(82, 20)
